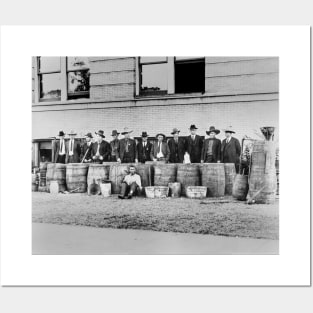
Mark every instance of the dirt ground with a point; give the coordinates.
(182, 215)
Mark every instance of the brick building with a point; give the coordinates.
(151, 94)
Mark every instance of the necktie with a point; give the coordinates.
(144, 144)
(71, 149)
(98, 149)
(126, 146)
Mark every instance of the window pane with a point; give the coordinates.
(78, 81)
(154, 77)
(152, 59)
(74, 63)
(50, 86)
(49, 64)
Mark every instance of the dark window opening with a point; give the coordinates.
(190, 76)
(45, 155)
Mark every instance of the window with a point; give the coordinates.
(170, 75)
(63, 78)
(49, 71)
(77, 77)
(153, 75)
(189, 75)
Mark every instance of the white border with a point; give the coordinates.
(290, 43)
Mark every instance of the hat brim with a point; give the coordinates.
(61, 135)
(100, 135)
(72, 134)
(144, 136)
(191, 128)
(87, 135)
(172, 133)
(123, 133)
(229, 131)
(115, 134)
(216, 131)
(157, 135)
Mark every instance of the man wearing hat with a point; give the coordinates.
(230, 150)
(194, 145)
(85, 156)
(60, 149)
(115, 146)
(131, 184)
(100, 149)
(160, 150)
(177, 147)
(74, 150)
(128, 151)
(211, 151)
(144, 148)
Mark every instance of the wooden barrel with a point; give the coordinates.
(117, 173)
(35, 182)
(175, 190)
(43, 173)
(144, 171)
(98, 172)
(240, 187)
(56, 172)
(76, 177)
(164, 174)
(213, 177)
(188, 175)
(230, 173)
(263, 180)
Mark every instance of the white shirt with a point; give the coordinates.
(62, 145)
(160, 154)
(129, 179)
(71, 147)
(228, 140)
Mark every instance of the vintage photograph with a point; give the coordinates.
(155, 155)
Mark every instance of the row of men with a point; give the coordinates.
(125, 150)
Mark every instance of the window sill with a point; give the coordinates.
(171, 96)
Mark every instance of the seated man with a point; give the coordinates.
(130, 184)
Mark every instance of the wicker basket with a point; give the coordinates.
(156, 192)
(196, 192)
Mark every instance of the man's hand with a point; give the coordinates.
(119, 160)
(154, 159)
(101, 157)
(136, 160)
(218, 161)
(94, 157)
(202, 161)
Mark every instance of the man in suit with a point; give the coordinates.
(194, 145)
(177, 147)
(60, 149)
(160, 150)
(115, 146)
(86, 150)
(101, 149)
(144, 148)
(74, 150)
(230, 151)
(128, 149)
(211, 151)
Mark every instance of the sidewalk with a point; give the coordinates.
(65, 239)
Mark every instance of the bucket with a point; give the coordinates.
(157, 192)
(240, 187)
(213, 177)
(174, 189)
(76, 177)
(188, 175)
(196, 192)
(105, 189)
(54, 187)
(230, 173)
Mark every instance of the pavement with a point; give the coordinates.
(52, 239)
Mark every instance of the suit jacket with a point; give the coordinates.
(181, 146)
(194, 148)
(132, 149)
(84, 150)
(57, 149)
(230, 152)
(144, 154)
(216, 149)
(76, 151)
(115, 146)
(165, 150)
(104, 150)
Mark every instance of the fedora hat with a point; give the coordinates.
(61, 133)
(157, 135)
(193, 126)
(100, 133)
(126, 131)
(229, 129)
(144, 134)
(114, 133)
(175, 130)
(72, 133)
(89, 135)
(213, 129)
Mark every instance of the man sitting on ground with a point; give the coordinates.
(130, 184)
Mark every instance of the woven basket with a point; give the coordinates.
(156, 192)
(196, 192)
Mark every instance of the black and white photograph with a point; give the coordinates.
(155, 155)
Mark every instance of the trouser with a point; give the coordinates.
(133, 188)
(71, 159)
(113, 158)
(128, 159)
(209, 159)
(60, 159)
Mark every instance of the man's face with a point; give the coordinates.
(144, 139)
(160, 138)
(61, 138)
(212, 135)
(132, 170)
(193, 131)
(176, 135)
(127, 135)
(227, 134)
(99, 138)
(88, 139)
(114, 137)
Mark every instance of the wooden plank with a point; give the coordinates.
(269, 65)
(245, 84)
(232, 59)
(105, 66)
(110, 78)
